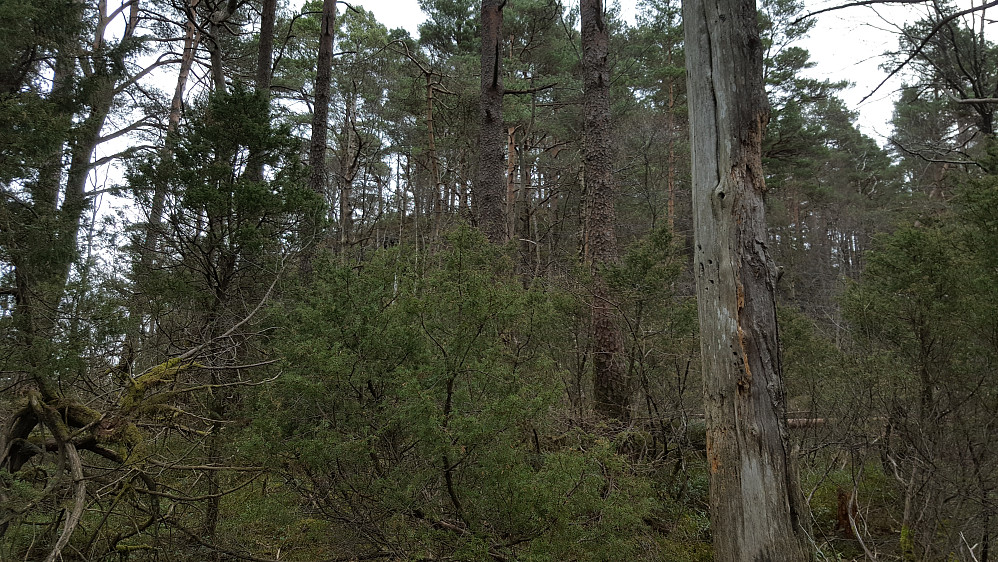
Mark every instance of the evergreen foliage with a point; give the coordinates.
(171, 389)
(418, 412)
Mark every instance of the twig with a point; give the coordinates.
(925, 41)
(195, 350)
(853, 5)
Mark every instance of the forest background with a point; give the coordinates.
(305, 334)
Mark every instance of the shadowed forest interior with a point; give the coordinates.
(280, 283)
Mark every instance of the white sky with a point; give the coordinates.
(846, 45)
(849, 44)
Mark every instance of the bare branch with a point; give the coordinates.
(172, 466)
(921, 155)
(127, 152)
(973, 100)
(214, 546)
(79, 502)
(853, 5)
(175, 497)
(147, 120)
(925, 41)
(161, 61)
(195, 350)
(530, 90)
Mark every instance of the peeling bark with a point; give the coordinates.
(757, 511)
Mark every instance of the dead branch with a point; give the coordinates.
(79, 501)
(853, 5)
(925, 41)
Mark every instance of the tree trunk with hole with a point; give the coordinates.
(757, 510)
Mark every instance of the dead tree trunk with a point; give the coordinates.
(434, 160)
(757, 511)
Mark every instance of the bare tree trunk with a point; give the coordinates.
(265, 54)
(487, 196)
(431, 140)
(670, 122)
(349, 159)
(524, 215)
(511, 191)
(146, 252)
(216, 21)
(757, 510)
(611, 388)
(320, 124)
(192, 38)
(264, 72)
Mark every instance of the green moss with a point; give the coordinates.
(135, 395)
(74, 413)
(907, 543)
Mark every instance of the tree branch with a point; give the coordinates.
(531, 90)
(919, 154)
(972, 100)
(79, 502)
(925, 41)
(853, 5)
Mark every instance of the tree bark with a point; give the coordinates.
(757, 511)
(320, 125)
(192, 38)
(434, 160)
(488, 196)
(349, 161)
(265, 53)
(611, 389)
(670, 123)
(511, 191)
(216, 26)
(264, 72)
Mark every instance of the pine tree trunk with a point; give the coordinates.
(670, 122)
(488, 196)
(757, 511)
(320, 124)
(349, 158)
(264, 71)
(431, 139)
(611, 388)
(265, 53)
(511, 190)
(192, 39)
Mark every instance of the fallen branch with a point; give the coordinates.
(80, 497)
